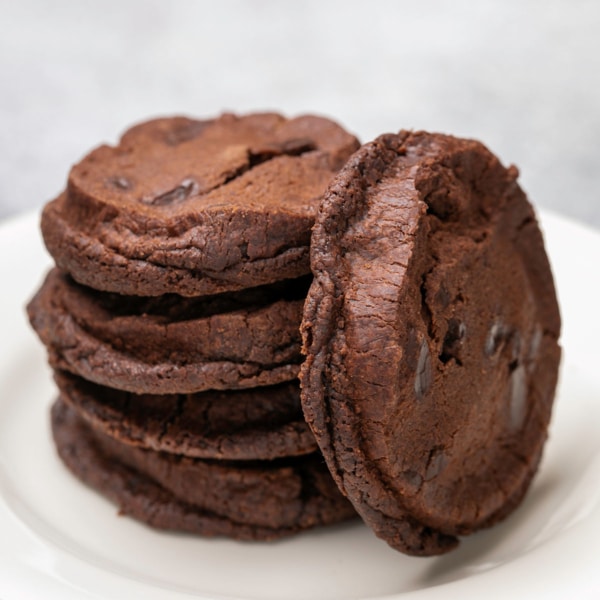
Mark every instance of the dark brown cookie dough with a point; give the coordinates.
(244, 502)
(256, 424)
(431, 334)
(196, 207)
(169, 344)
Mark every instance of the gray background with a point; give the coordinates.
(521, 75)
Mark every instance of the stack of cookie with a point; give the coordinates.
(430, 330)
(172, 322)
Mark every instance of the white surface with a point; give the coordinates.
(61, 541)
(521, 75)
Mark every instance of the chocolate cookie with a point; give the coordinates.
(196, 207)
(259, 502)
(169, 344)
(431, 334)
(256, 424)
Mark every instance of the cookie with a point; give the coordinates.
(196, 207)
(261, 501)
(169, 344)
(256, 424)
(430, 333)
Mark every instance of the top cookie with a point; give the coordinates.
(431, 334)
(196, 207)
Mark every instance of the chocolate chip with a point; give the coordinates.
(244, 250)
(453, 341)
(442, 297)
(534, 344)
(496, 338)
(412, 479)
(518, 398)
(187, 188)
(121, 183)
(436, 462)
(424, 375)
(515, 343)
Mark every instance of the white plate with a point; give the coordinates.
(60, 540)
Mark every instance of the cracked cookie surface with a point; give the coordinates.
(196, 207)
(430, 333)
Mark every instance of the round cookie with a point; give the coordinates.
(254, 502)
(169, 344)
(255, 424)
(196, 207)
(430, 333)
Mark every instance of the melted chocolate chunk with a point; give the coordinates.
(423, 378)
(186, 189)
(453, 341)
(121, 183)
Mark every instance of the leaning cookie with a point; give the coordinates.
(169, 344)
(261, 423)
(196, 207)
(248, 503)
(430, 333)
